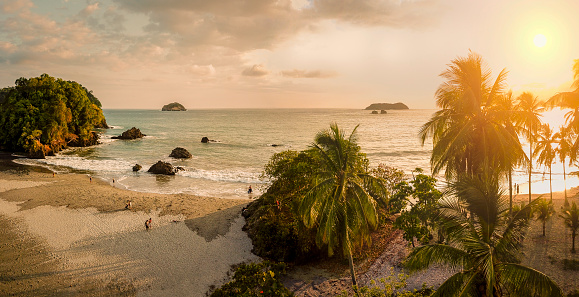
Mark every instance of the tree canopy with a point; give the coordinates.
(42, 115)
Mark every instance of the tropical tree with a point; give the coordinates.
(339, 204)
(564, 150)
(529, 108)
(546, 152)
(470, 130)
(571, 219)
(544, 210)
(484, 243)
(569, 100)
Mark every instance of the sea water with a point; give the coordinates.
(243, 141)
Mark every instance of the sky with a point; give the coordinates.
(142, 54)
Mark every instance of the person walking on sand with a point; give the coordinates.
(90, 179)
(148, 224)
(249, 191)
(129, 204)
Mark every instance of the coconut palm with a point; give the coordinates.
(483, 243)
(544, 210)
(564, 149)
(571, 220)
(546, 152)
(339, 204)
(469, 129)
(569, 100)
(530, 109)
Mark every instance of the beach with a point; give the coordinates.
(69, 234)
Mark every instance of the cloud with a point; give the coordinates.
(296, 73)
(255, 71)
(204, 70)
(11, 6)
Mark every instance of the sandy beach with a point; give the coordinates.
(68, 235)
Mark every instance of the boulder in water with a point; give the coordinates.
(374, 112)
(383, 111)
(132, 133)
(180, 153)
(137, 167)
(162, 168)
(205, 139)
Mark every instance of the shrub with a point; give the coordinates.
(255, 279)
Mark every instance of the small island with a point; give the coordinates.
(174, 107)
(387, 106)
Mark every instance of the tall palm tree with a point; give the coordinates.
(569, 100)
(564, 149)
(571, 220)
(484, 242)
(339, 204)
(546, 152)
(469, 130)
(530, 109)
(544, 210)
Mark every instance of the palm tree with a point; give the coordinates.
(530, 109)
(469, 130)
(571, 220)
(339, 203)
(569, 100)
(546, 151)
(564, 150)
(484, 242)
(544, 211)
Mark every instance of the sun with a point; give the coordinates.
(540, 40)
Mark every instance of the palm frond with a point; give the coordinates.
(520, 280)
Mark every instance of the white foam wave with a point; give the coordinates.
(78, 163)
(234, 176)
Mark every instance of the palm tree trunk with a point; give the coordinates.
(544, 227)
(530, 163)
(351, 262)
(566, 204)
(550, 183)
(510, 190)
(573, 246)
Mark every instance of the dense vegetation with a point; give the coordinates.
(42, 115)
(255, 279)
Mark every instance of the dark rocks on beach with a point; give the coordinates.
(276, 145)
(374, 112)
(163, 168)
(383, 111)
(37, 154)
(180, 153)
(132, 133)
(204, 140)
(137, 167)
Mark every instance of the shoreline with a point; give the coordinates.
(84, 242)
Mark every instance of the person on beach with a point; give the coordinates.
(249, 191)
(148, 224)
(90, 179)
(129, 204)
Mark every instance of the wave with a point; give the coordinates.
(79, 163)
(232, 176)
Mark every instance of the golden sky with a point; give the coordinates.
(283, 53)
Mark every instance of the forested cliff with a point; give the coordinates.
(42, 115)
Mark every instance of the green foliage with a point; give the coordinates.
(484, 241)
(418, 221)
(570, 218)
(44, 113)
(392, 285)
(272, 221)
(255, 279)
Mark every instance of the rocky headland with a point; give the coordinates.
(175, 106)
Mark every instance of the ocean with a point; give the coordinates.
(244, 141)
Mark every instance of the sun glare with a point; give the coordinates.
(540, 40)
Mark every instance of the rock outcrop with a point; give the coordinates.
(180, 153)
(173, 107)
(374, 112)
(204, 140)
(164, 168)
(387, 106)
(137, 167)
(75, 141)
(383, 111)
(132, 133)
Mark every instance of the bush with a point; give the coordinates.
(255, 279)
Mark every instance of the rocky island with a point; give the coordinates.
(387, 106)
(174, 107)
